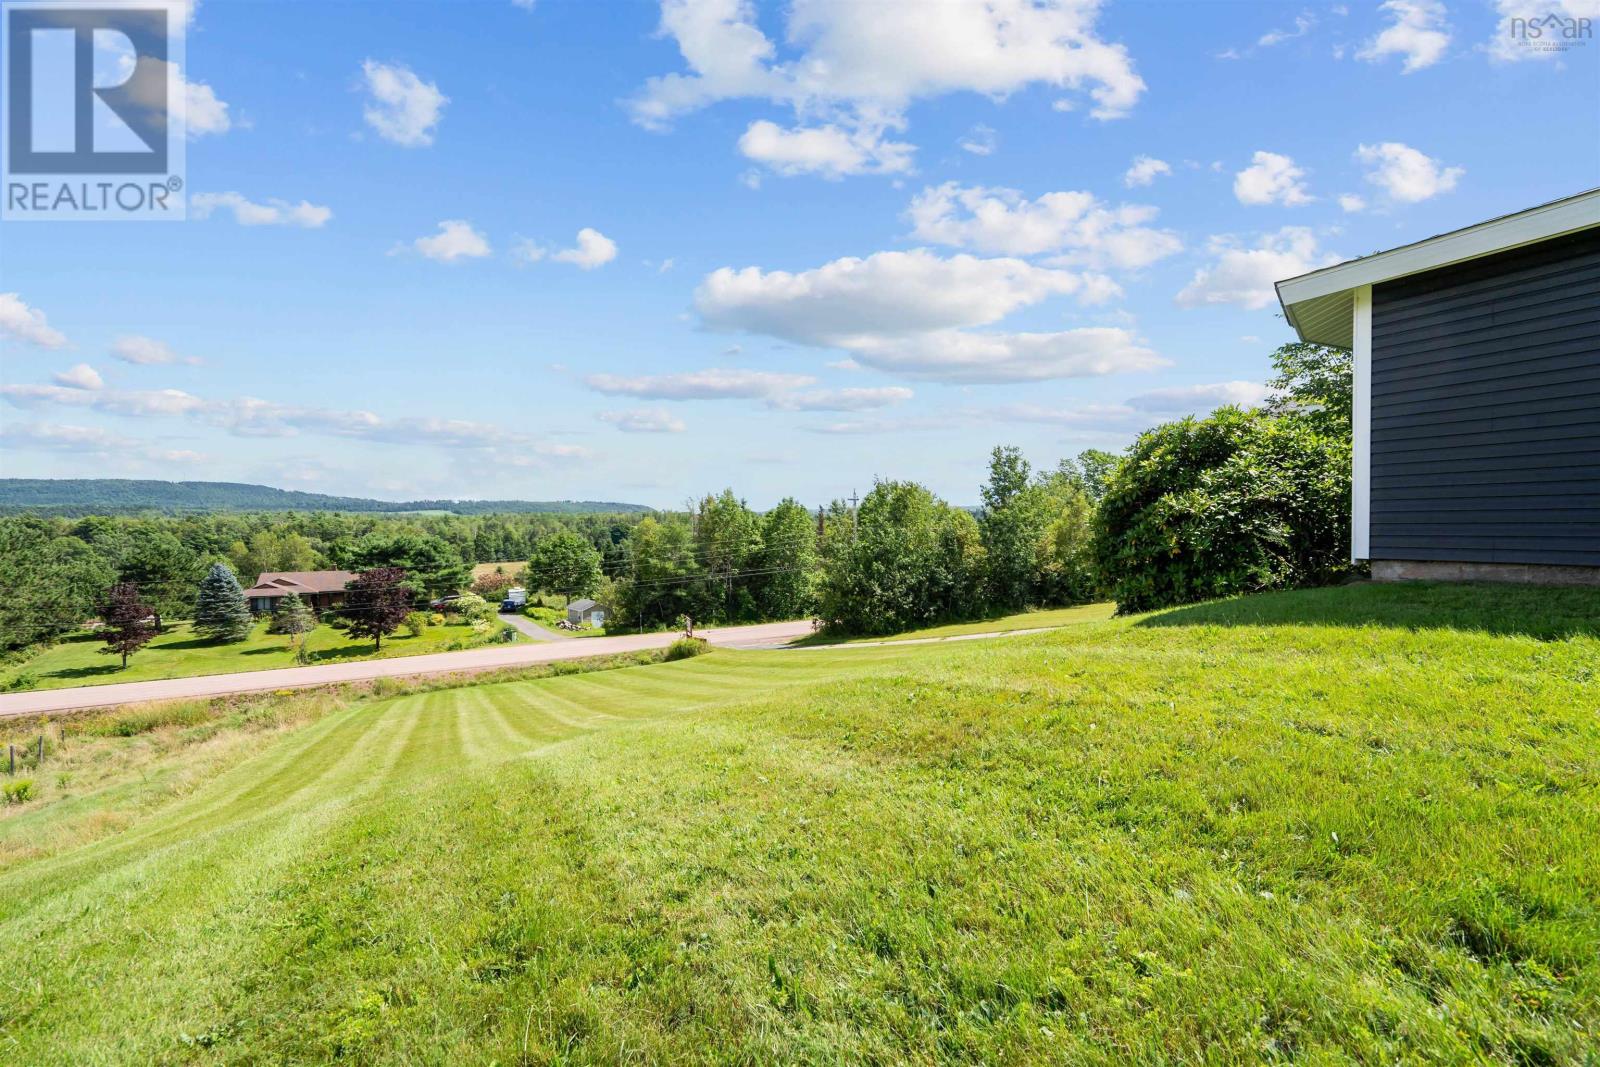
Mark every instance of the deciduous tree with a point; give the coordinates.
(128, 624)
(376, 602)
(565, 563)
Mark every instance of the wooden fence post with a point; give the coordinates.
(41, 750)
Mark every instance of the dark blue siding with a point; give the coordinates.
(1486, 409)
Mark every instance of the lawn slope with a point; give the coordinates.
(1325, 826)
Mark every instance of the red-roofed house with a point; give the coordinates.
(320, 590)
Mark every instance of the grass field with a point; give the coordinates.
(178, 653)
(1025, 620)
(1353, 825)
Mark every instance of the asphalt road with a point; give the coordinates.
(52, 701)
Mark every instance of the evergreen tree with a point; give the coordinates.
(128, 623)
(220, 611)
(293, 618)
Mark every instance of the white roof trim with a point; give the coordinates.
(1486, 238)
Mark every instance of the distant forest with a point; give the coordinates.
(72, 497)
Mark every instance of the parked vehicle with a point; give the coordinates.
(444, 603)
(516, 599)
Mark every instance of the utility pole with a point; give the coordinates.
(855, 521)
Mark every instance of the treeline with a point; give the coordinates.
(55, 573)
(1241, 501)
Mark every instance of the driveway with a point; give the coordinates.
(51, 701)
(532, 629)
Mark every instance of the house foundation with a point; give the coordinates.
(1406, 570)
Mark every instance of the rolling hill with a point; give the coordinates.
(1352, 825)
(102, 496)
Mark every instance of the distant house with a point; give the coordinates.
(1477, 396)
(320, 590)
(586, 613)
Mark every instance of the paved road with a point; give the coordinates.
(49, 701)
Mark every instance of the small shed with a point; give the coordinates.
(1477, 396)
(586, 613)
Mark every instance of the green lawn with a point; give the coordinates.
(178, 653)
(1346, 826)
(1025, 620)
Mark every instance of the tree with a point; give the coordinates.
(1236, 503)
(293, 618)
(220, 610)
(1013, 524)
(727, 542)
(162, 568)
(910, 559)
(128, 623)
(273, 550)
(788, 556)
(565, 563)
(53, 581)
(376, 602)
(1066, 571)
(1316, 383)
(662, 581)
(432, 567)
(1091, 471)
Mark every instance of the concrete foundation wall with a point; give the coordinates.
(1405, 570)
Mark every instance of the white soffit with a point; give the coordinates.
(1319, 304)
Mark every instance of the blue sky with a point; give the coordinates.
(638, 252)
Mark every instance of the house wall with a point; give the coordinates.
(1485, 410)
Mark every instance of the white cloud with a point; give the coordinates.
(1351, 203)
(146, 351)
(57, 437)
(142, 403)
(1417, 31)
(852, 399)
(1145, 169)
(981, 140)
(253, 417)
(203, 112)
(961, 356)
(644, 420)
(1271, 179)
(1557, 21)
(1406, 174)
(594, 249)
(1187, 399)
(830, 151)
(846, 364)
(861, 65)
(885, 293)
(1246, 276)
(713, 384)
(1302, 26)
(863, 427)
(272, 213)
(81, 376)
(1082, 228)
(401, 107)
(23, 323)
(455, 240)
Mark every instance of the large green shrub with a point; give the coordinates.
(906, 559)
(1235, 503)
